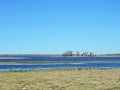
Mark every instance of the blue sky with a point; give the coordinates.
(54, 26)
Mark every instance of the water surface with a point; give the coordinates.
(49, 62)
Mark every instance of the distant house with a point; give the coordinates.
(68, 53)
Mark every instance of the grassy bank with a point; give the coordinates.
(61, 79)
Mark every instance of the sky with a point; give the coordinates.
(55, 26)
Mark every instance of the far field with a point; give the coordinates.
(61, 79)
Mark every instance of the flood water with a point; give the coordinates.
(49, 62)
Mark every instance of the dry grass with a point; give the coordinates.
(61, 79)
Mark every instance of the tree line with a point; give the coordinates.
(70, 53)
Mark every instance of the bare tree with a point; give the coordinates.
(78, 54)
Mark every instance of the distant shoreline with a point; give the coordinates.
(21, 56)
